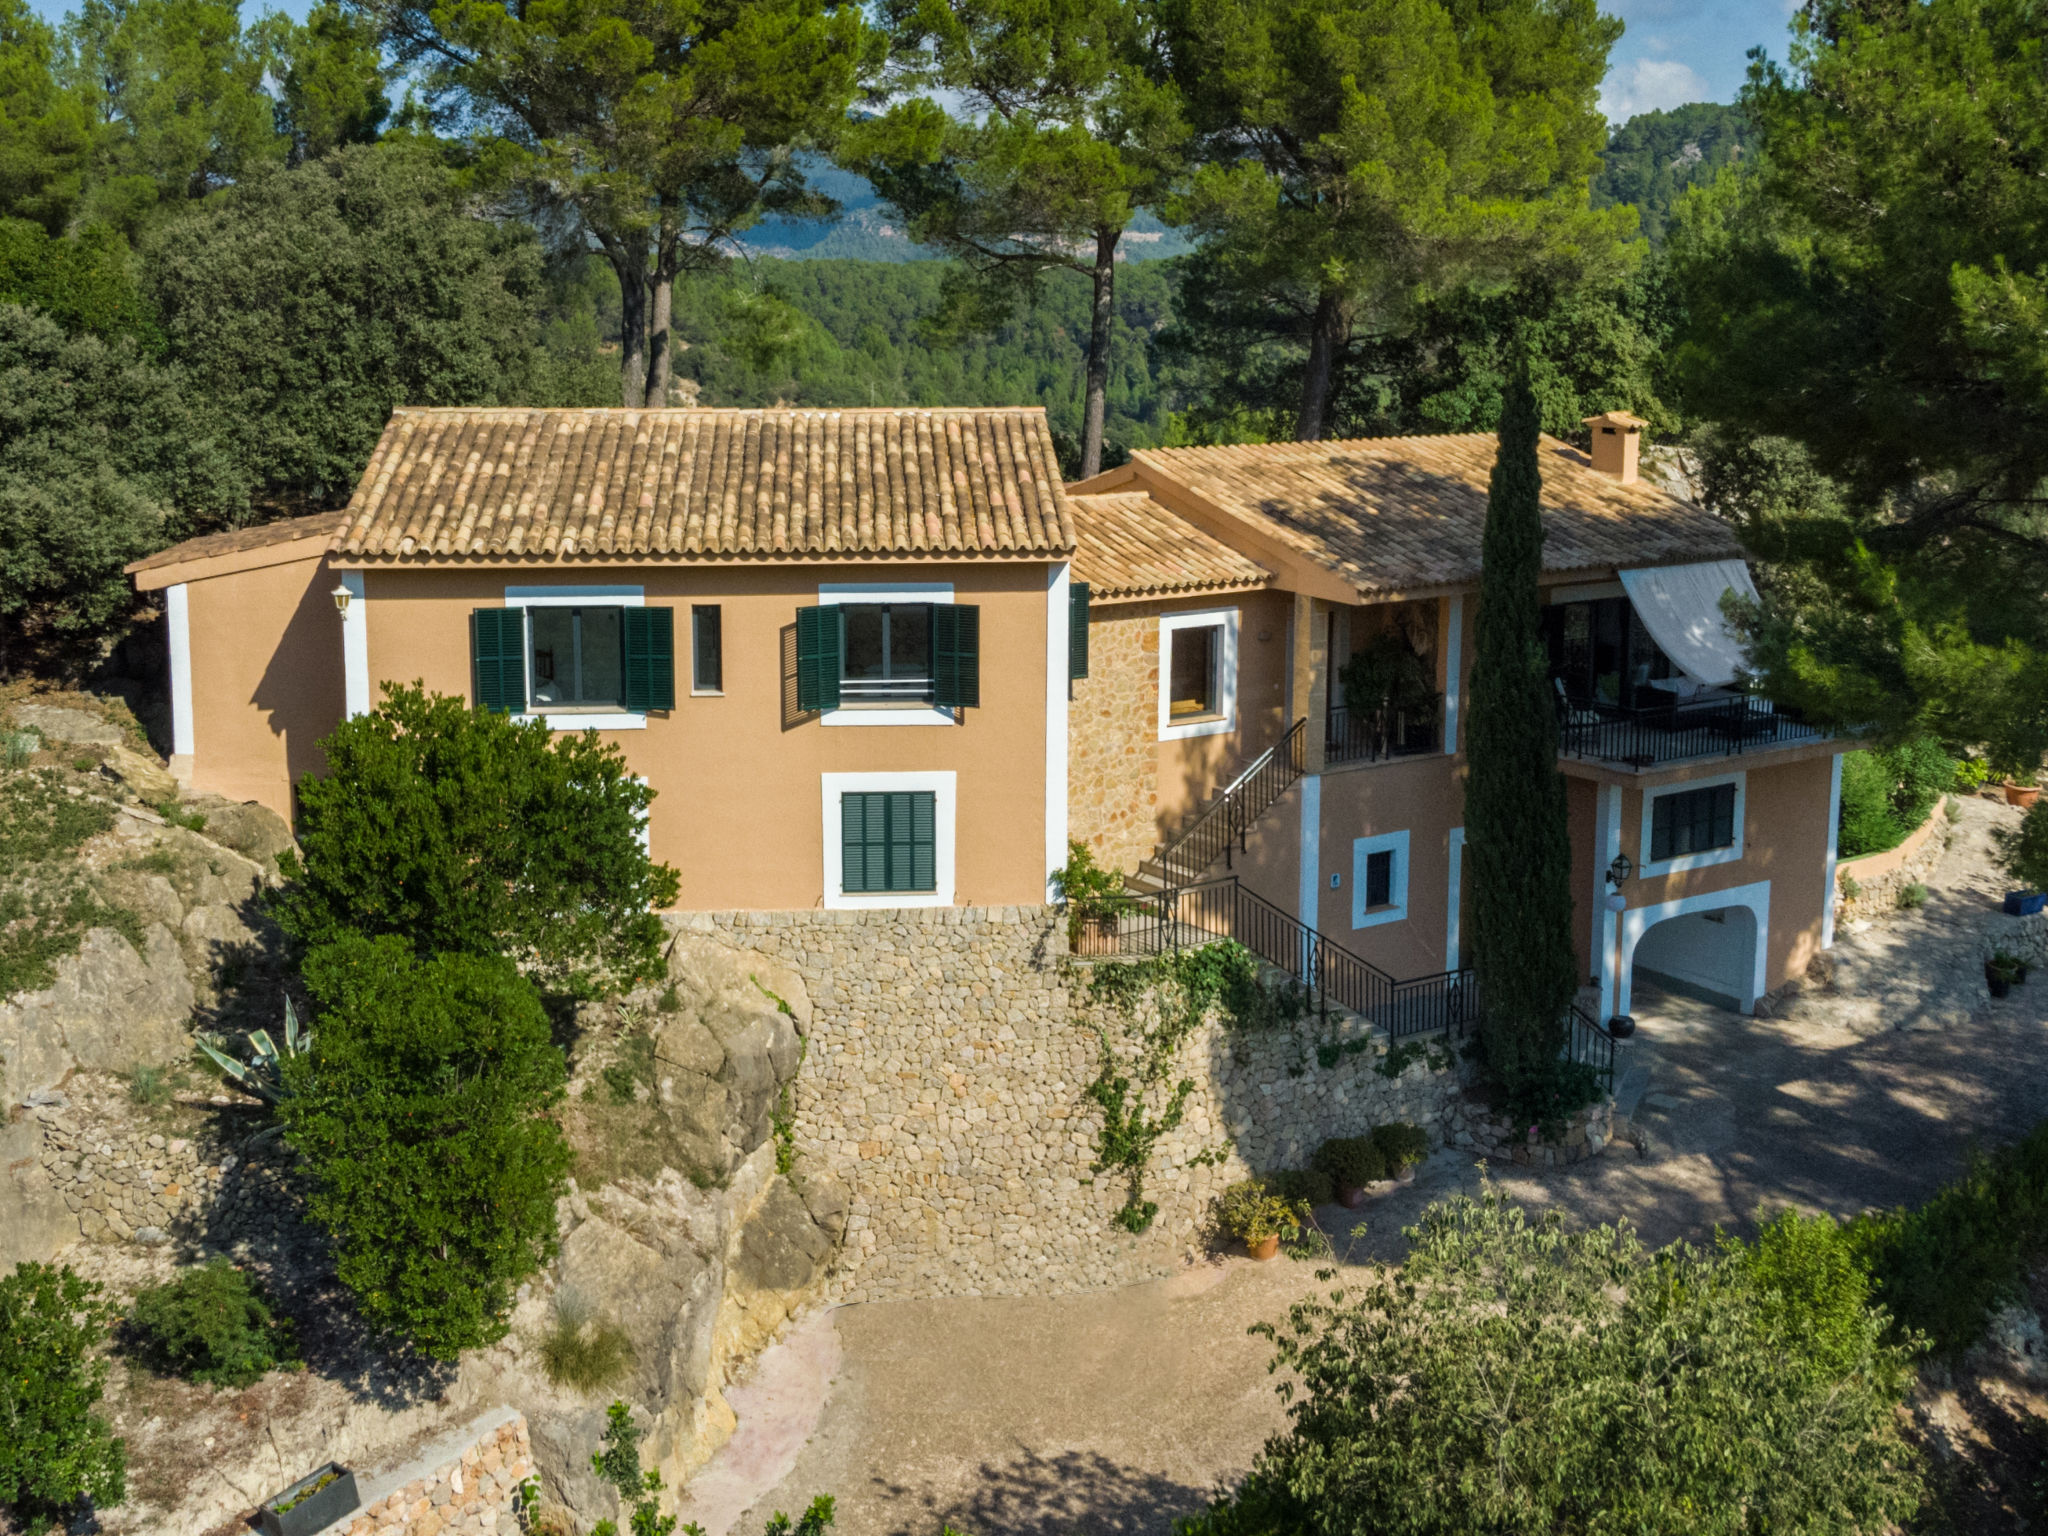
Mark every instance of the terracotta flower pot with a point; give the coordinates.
(1351, 1197)
(1264, 1249)
(2021, 795)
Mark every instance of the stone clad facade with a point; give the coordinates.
(944, 1082)
(1113, 738)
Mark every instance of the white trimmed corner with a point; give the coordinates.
(1396, 909)
(1454, 670)
(942, 786)
(1058, 637)
(1454, 893)
(1729, 855)
(835, 592)
(178, 623)
(355, 647)
(1827, 900)
(1225, 719)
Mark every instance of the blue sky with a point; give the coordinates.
(1674, 51)
(1677, 51)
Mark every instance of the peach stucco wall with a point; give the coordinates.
(736, 777)
(266, 678)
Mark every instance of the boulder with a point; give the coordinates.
(781, 1247)
(35, 1223)
(720, 1068)
(110, 1009)
(77, 727)
(151, 781)
(252, 830)
(715, 973)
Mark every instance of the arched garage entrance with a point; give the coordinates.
(1711, 946)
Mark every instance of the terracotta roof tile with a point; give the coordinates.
(1131, 546)
(239, 540)
(583, 484)
(1396, 513)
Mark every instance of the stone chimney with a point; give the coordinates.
(1617, 439)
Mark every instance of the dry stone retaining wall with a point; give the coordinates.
(944, 1082)
(464, 1487)
(1880, 877)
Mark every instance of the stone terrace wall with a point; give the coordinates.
(463, 1486)
(944, 1082)
(1112, 738)
(1880, 877)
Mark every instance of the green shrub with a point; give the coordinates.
(1402, 1145)
(54, 1450)
(1888, 793)
(422, 1114)
(582, 1351)
(1942, 1268)
(1088, 890)
(1516, 1376)
(1300, 1186)
(1249, 1211)
(462, 832)
(1850, 886)
(1352, 1162)
(2024, 851)
(1972, 774)
(212, 1325)
(1912, 897)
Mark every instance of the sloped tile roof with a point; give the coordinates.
(1131, 546)
(240, 540)
(588, 484)
(1398, 513)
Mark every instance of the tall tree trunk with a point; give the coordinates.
(628, 256)
(1327, 333)
(1095, 397)
(667, 250)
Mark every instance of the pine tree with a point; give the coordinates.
(1517, 844)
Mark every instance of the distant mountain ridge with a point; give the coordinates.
(1653, 157)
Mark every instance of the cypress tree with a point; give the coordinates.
(1518, 849)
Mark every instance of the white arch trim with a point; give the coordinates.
(1638, 921)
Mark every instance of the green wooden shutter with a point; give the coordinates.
(497, 655)
(1077, 629)
(956, 655)
(817, 659)
(650, 659)
(888, 842)
(864, 845)
(923, 870)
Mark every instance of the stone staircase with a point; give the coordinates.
(1217, 829)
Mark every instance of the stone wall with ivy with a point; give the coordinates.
(962, 1071)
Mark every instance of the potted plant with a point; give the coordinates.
(2024, 853)
(2001, 971)
(1095, 900)
(1402, 1146)
(311, 1504)
(1256, 1217)
(1352, 1162)
(2022, 785)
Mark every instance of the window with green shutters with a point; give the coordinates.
(1077, 630)
(888, 842)
(562, 659)
(650, 659)
(850, 655)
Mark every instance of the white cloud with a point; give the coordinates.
(1650, 85)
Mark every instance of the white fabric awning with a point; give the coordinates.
(1680, 605)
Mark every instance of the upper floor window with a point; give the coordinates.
(578, 657)
(572, 659)
(1198, 673)
(1192, 691)
(1600, 653)
(1692, 821)
(886, 653)
(888, 662)
(707, 649)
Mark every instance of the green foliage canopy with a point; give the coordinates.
(1652, 159)
(54, 1450)
(459, 832)
(421, 1112)
(45, 135)
(1518, 1378)
(211, 1324)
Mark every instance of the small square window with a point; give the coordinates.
(1692, 821)
(1192, 672)
(1379, 879)
(578, 657)
(707, 649)
(887, 655)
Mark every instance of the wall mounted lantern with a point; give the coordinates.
(341, 596)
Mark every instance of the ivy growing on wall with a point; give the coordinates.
(1139, 1099)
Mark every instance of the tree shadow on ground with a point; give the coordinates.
(1072, 1493)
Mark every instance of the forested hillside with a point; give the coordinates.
(1653, 157)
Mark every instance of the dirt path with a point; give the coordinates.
(1117, 1412)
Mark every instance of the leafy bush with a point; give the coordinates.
(1303, 1188)
(2024, 851)
(1888, 793)
(582, 1351)
(54, 1450)
(1944, 1267)
(1250, 1211)
(1972, 774)
(211, 1325)
(1518, 1377)
(1088, 890)
(1912, 897)
(1352, 1162)
(464, 833)
(421, 1113)
(617, 1461)
(1401, 1144)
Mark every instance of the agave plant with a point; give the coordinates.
(263, 1074)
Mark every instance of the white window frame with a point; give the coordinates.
(1395, 911)
(574, 597)
(1225, 720)
(942, 786)
(834, 593)
(1648, 867)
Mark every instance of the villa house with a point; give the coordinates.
(883, 658)
(1230, 590)
(834, 642)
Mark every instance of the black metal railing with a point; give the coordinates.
(1586, 1042)
(1189, 916)
(1218, 830)
(1665, 733)
(1383, 733)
